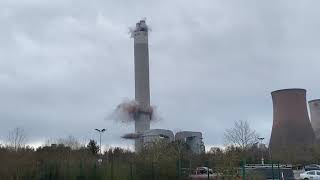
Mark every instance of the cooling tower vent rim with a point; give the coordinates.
(289, 89)
(314, 100)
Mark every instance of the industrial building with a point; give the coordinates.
(314, 107)
(156, 135)
(192, 139)
(291, 125)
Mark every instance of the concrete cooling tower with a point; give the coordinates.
(291, 125)
(314, 107)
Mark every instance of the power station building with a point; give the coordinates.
(314, 107)
(192, 139)
(291, 125)
(156, 135)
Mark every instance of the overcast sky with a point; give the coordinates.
(66, 64)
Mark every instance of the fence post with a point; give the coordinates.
(244, 169)
(153, 173)
(106, 164)
(279, 169)
(208, 174)
(179, 169)
(131, 173)
(272, 170)
(111, 167)
(190, 171)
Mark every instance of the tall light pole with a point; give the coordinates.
(100, 132)
(261, 139)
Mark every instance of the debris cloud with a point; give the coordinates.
(126, 112)
(131, 136)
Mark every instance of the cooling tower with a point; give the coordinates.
(291, 125)
(142, 90)
(314, 107)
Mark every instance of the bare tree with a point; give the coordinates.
(241, 135)
(69, 141)
(17, 138)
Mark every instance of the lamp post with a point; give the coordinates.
(261, 139)
(100, 132)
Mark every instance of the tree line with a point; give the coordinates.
(67, 158)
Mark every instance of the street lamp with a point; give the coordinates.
(261, 139)
(100, 132)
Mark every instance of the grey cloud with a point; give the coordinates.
(64, 65)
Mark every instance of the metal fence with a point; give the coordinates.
(119, 169)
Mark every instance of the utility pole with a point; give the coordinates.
(262, 159)
(100, 132)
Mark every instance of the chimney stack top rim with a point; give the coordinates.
(289, 90)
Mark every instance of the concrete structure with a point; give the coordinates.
(291, 125)
(192, 139)
(141, 110)
(155, 135)
(314, 107)
(142, 88)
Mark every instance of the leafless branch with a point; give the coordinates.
(17, 138)
(241, 135)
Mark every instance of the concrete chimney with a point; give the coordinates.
(142, 87)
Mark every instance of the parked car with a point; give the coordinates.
(312, 167)
(267, 172)
(202, 173)
(312, 175)
(203, 170)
